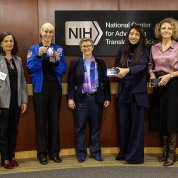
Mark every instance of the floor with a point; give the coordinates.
(32, 164)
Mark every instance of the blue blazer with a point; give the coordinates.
(76, 78)
(34, 64)
(135, 83)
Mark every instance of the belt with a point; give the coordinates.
(89, 94)
(160, 73)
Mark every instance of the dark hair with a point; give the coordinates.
(2, 36)
(127, 47)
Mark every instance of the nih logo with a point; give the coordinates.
(75, 30)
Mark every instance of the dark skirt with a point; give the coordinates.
(164, 110)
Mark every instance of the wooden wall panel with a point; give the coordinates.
(27, 129)
(67, 134)
(148, 5)
(24, 18)
(47, 8)
(21, 18)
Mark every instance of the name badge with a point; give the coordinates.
(2, 76)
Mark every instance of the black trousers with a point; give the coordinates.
(9, 118)
(47, 104)
(131, 131)
(88, 111)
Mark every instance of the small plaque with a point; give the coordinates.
(112, 72)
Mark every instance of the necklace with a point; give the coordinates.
(131, 53)
(11, 65)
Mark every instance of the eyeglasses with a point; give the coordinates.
(86, 46)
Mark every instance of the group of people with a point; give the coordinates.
(134, 62)
(89, 93)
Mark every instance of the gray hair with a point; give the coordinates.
(86, 39)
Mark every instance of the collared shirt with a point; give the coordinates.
(166, 61)
(87, 74)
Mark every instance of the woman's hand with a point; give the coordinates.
(56, 55)
(42, 50)
(152, 75)
(23, 107)
(106, 104)
(122, 72)
(71, 104)
(164, 79)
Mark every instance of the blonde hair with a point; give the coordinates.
(172, 22)
(47, 26)
(86, 39)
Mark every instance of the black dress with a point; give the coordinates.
(164, 115)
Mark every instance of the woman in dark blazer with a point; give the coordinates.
(13, 98)
(87, 95)
(132, 63)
